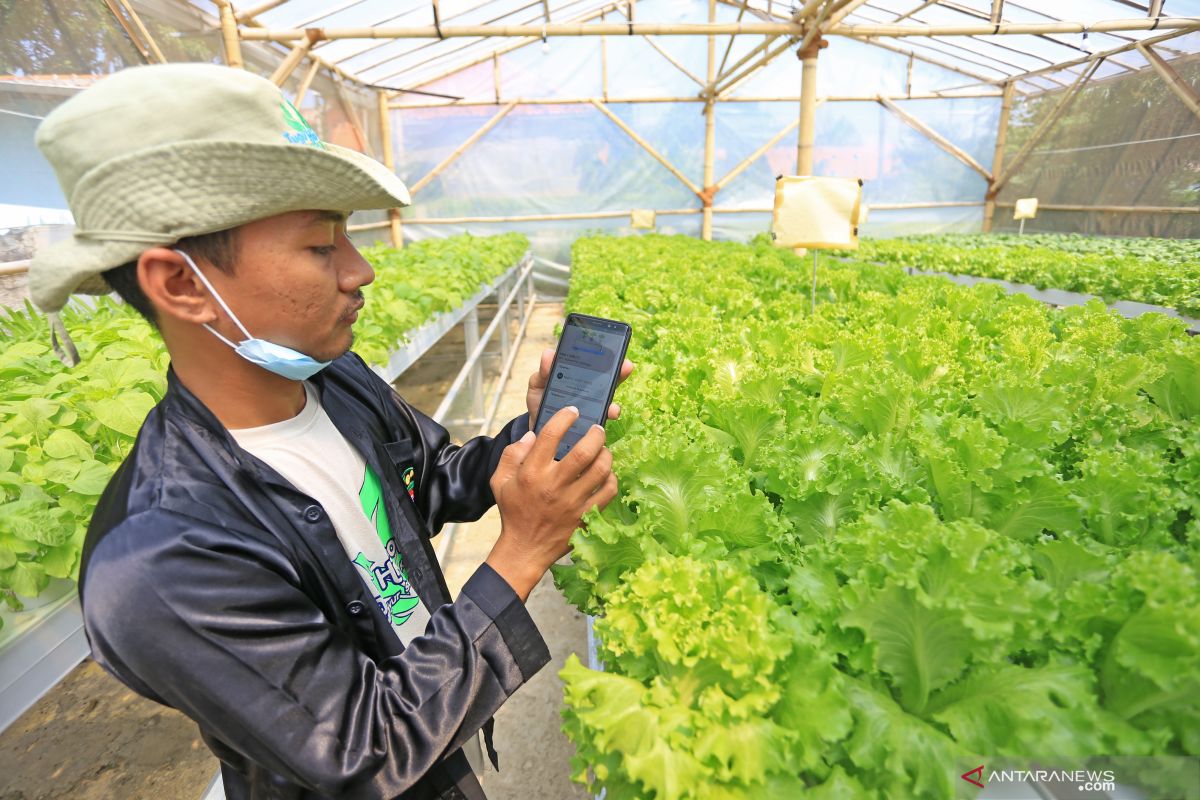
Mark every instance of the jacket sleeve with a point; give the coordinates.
(268, 674)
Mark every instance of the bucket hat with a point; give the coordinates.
(153, 154)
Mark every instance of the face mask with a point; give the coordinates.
(284, 361)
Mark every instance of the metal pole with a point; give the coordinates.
(501, 290)
(471, 338)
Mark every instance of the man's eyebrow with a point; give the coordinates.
(336, 217)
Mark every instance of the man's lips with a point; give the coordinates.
(352, 315)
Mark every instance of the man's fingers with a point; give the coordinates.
(614, 411)
(604, 495)
(584, 452)
(626, 369)
(538, 379)
(551, 434)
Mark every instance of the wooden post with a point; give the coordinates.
(458, 151)
(989, 206)
(389, 161)
(935, 137)
(496, 76)
(709, 133)
(1177, 85)
(1045, 126)
(307, 81)
(288, 65)
(657, 156)
(808, 107)
(230, 36)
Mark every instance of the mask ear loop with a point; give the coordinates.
(216, 295)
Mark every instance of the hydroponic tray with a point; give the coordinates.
(1060, 297)
(429, 334)
(37, 649)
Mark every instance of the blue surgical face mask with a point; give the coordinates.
(284, 361)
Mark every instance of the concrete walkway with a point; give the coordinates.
(534, 754)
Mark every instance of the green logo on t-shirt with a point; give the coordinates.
(393, 590)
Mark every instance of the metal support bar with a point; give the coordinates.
(475, 379)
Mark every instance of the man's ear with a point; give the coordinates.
(173, 288)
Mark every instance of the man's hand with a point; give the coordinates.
(537, 386)
(542, 500)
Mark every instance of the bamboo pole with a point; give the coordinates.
(760, 47)
(309, 76)
(14, 268)
(936, 138)
(288, 65)
(917, 10)
(604, 68)
(620, 123)
(389, 161)
(553, 29)
(145, 32)
(750, 71)
(246, 16)
(674, 61)
(567, 101)
(989, 206)
(129, 31)
(462, 148)
(229, 35)
(1155, 8)
(997, 11)
(1044, 128)
(936, 62)
(1177, 85)
(710, 190)
(808, 108)
(750, 159)
(836, 18)
(1019, 28)
(1114, 209)
(908, 76)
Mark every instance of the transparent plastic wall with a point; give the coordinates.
(1126, 140)
(569, 158)
(52, 49)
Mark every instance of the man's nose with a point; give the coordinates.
(354, 271)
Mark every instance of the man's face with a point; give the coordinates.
(297, 282)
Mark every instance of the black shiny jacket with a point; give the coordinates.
(211, 585)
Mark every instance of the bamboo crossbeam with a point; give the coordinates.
(917, 10)
(348, 110)
(1113, 209)
(836, 18)
(14, 268)
(750, 159)
(728, 86)
(760, 47)
(288, 65)
(1042, 129)
(462, 148)
(709, 132)
(309, 76)
(229, 35)
(935, 137)
(657, 156)
(144, 31)
(1177, 85)
(936, 62)
(263, 8)
(143, 51)
(1018, 28)
(567, 101)
(553, 29)
(1063, 65)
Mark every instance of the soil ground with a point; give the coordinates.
(90, 738)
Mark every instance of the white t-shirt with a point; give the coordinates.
(314, 457)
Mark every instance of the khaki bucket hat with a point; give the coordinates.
(153, 154)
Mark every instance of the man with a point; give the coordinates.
(261, 560)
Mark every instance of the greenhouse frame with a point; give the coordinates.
(976, 419)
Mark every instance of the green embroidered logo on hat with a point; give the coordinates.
(301, 132)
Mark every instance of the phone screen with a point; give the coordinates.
(584, 374)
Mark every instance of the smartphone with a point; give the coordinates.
(586, 367)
